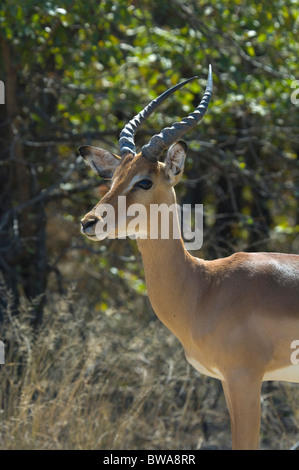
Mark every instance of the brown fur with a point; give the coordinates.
(235, 317)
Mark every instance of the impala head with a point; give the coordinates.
(139, 177)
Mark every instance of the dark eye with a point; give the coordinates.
(144, 184)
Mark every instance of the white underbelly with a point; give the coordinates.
(211, 372)
(286, 374)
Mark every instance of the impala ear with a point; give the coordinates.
(174, 162)
(102, 162)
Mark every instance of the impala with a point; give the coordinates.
(237, 318)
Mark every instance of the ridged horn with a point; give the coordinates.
(159, 142)
(126, 138)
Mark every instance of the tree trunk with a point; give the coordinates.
(23, 257)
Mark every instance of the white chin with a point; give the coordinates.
(92, 237)
(99, 236)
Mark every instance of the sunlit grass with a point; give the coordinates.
(92, 380)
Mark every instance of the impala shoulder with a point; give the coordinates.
(278, 267)
(227, 265)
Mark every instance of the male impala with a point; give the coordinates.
(237, 317)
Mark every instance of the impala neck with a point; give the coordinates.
(168, 275)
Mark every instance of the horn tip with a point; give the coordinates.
(210, 80)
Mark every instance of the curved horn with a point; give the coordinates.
(126, 138)
(159, 142)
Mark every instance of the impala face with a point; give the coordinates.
(138, 186)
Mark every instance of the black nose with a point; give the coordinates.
(88, 223)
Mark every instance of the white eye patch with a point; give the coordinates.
(133, 181)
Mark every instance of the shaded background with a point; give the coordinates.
(88, 365)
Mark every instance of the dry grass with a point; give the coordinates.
(116, 381)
